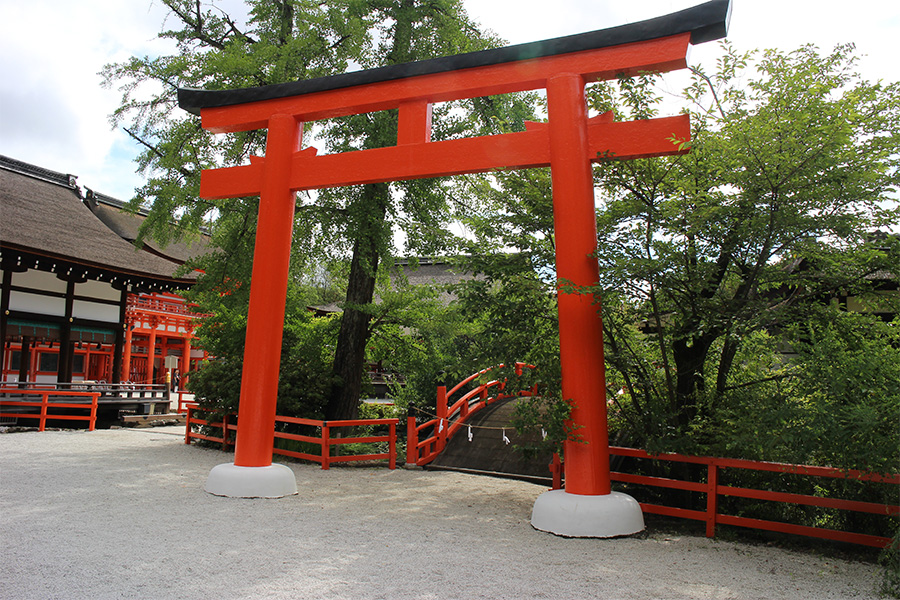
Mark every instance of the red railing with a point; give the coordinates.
(162, 305)
(713, 490)
(450, 418)
(325, 440)
(46, 404)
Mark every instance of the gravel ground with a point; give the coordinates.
(122, 514)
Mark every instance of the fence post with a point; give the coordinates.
(556, 471)
(412, 441)
(712, 498)
(45, 401)
(95, 399)
(187, 426)
(326, 443)
(442, 425)
(392, 446)
(225, 433)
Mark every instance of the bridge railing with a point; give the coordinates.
(428, 439)
(714, 490)
(325, 440)
(50, 399)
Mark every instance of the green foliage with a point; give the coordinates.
(305, 375)
(774, 210)
(833, 400)
(282, 41)
(543, 422)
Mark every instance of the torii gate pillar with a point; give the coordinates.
(587, 507)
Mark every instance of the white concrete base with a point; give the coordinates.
(575, 515)
(274, 481)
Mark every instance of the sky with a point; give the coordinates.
(54, 111)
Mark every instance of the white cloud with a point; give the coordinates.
(54, 109)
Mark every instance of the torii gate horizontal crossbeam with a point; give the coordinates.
(702, 23)
(621, 140)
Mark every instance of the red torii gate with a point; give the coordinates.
(568, 143)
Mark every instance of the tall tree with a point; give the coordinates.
(407, 30)
(283, 41)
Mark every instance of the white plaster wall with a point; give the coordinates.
(34, 303)
(39, 280)
(99, 290)
(98, 312)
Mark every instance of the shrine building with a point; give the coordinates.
(80, 302)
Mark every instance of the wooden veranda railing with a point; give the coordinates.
(426, 440)
(326, 440)
(714, 490)
(50, 400)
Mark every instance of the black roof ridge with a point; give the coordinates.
(100, 198)
(95, 197)
(705, 22)
(21, 167)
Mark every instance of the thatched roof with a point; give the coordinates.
(126, 224)
(43, 219)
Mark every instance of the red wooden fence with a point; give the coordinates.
(713, 490)
(46, 404)
(325, 440)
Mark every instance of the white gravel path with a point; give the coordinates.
(122, 514)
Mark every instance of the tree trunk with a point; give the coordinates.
(349, 355)
(689, 356)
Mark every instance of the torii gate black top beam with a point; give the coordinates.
(705, 22)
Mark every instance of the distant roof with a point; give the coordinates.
(706, 22)
(42, 215)
(435, 272)
(431, 271)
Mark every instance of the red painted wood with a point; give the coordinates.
(711, 487)
(816, 532)
(265, 319)
(414, 123)
(580, 328)
(624, 140)
(789, 498)
(45, 405)
(712, 499)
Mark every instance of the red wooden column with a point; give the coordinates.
(185, 361)
(151, 352)
(126, 359)
(580, 327)
(587, 507)
(265, 320)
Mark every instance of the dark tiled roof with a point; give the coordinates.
(41, 213)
